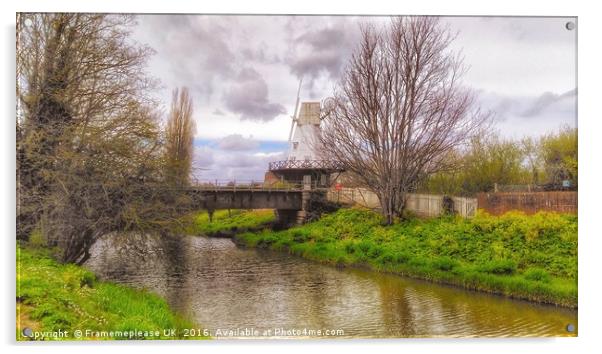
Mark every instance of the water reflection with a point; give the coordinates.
(222, 286)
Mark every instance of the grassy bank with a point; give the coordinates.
(53, 297)
(228, 223)
(528, 257)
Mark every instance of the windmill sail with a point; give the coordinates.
(294, 117)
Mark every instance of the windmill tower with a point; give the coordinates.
(303, 158)
(307, 129)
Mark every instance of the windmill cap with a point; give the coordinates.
(310, 113)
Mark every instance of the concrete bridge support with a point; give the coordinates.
(297, 217)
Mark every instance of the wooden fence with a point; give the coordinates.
(529, 202)
(426, 205)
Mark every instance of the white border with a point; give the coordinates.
(589, 145)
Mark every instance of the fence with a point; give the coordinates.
(359, 196)
(426, 205)
(430, 205)
(530, 203)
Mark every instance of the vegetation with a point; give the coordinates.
(559, 156)
(180, 132)
(91, 156)
(53, 297)
(490, 159)
(224, 221)
(528, 257)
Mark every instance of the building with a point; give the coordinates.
(304, 158)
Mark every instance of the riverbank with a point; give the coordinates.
(53, 297)
(525, 257)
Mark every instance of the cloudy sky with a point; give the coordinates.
(243, 73)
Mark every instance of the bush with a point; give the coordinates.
(501, 266)
(444, 263)
(537, 274)
(375, 251)
(402, 257)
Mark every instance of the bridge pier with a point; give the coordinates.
(286, 217)
(297, 217)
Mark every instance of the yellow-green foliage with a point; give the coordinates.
(235, 220)
(531, 257)
(68, 297)
(559, 153)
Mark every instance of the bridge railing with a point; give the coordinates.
(247, 185)
(306, 164)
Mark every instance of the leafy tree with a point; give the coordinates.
(89, 148)
(488, 160)
(179, 139)
(559, 155)
(531, 148)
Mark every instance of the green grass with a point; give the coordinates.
(529, 257)
(53, 296)
(223, 221)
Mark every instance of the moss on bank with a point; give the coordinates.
(528, 257)
(53, 297)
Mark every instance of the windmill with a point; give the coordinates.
(304, 133)
(303, 162)
(303, 159)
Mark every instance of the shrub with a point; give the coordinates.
(500, 266)
(402, 257)
(387, 258)
(444, 263)
(364, 246)
(349, 247)
(375, 251)
(537, 274)
(300, 235)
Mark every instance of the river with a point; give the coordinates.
(235, 292)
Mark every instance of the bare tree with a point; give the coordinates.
(180, 132)
(400, 109)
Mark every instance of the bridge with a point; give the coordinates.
(291, 200)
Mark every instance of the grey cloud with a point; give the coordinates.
(314, 65)
(236, 142)
(233, 165)
(203, 158)
(259, 54)
(248, 96)
(544, 101)
(517, 116)
(196, 48)
(503, 107)
(323, 38)
(321, 50)
(218, 112)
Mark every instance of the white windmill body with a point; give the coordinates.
(302, 145)
(304, 159)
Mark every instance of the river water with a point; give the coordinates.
(235, 292)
